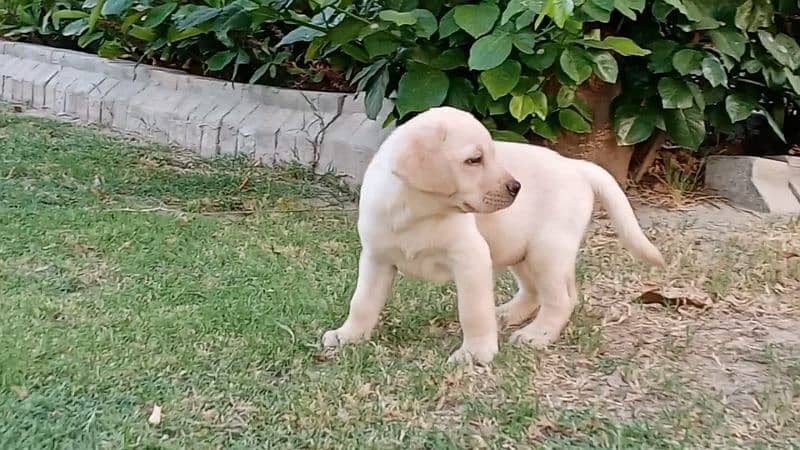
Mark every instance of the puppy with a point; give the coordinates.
(442, 201)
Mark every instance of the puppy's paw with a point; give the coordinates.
(481, 354)
(341, 336)
(509, 315)
(536, 337)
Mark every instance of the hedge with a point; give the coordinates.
(687, 67)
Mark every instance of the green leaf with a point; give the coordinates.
(576, 64)
(192, 15)
(543, 57)
(628, 7)
(533, 103)
(565, 97)
(157, 15)
(686, 127)
(573, 121)
(781, 47)
(142, 33)
(661, 56)
(714, 72)
(624, 46)
(520, 107)
(450, 59)
(116, 7)
(508, 136)
(397, 17)
(697, 95)
(714, 95)
(300, 34)
(675, 94)
(524, 20)
(739, 107)
(773, 124)
(688, 61)
(220, 60)
(729, 42)
(89, 38)
(173, 35)
(95, 15)
(517, 6)
(447, 24)
(421, 88)
(524, 42)
(544, 129)
(605, 66)
(490, 51)
(698, 12)
(558, 10)
(501, 80)
(347, 30)
(259, 73)
(634, 124)
(793, 80)
(754, 14)
(426, 23)
(380, 44)
(110, 50)
(597, 11)
(69, 14)
(477, 20)
(76, 27)
(661, 10)
(539, 103)
(376, 92)
(460, 95)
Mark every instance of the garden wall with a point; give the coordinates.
(211, 117)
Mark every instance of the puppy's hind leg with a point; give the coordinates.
(553, 271)
(375, 279)
(524, 303)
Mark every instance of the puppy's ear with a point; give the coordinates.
(421, 162)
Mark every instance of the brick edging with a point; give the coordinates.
(211, 117)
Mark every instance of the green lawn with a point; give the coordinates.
(134, 275)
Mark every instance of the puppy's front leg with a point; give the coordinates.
(474, 279)
(375, 280)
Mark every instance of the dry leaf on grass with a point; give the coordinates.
(616, 379)
(155, 416)
(675, 297)
(21, 392)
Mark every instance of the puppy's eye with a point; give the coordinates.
(474, 161)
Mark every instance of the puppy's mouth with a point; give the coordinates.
(467, 208)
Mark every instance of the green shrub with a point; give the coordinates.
(687, 67)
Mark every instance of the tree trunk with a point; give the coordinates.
(600, 145)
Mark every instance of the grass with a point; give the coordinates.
(134, 275)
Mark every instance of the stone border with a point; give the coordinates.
(328, 131)
(763, 184)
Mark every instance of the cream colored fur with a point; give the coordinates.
(438, 203)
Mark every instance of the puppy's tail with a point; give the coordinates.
(619, 209)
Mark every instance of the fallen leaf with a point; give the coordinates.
(616, 379)
(675, 297)
(791, 254)
(21, 392)
(155, 416)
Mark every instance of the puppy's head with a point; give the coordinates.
(449, 154)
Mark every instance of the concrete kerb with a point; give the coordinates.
(760, 184)
(208, 116)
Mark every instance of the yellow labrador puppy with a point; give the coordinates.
(441, 201)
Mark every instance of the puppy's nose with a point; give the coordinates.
(513, 187)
